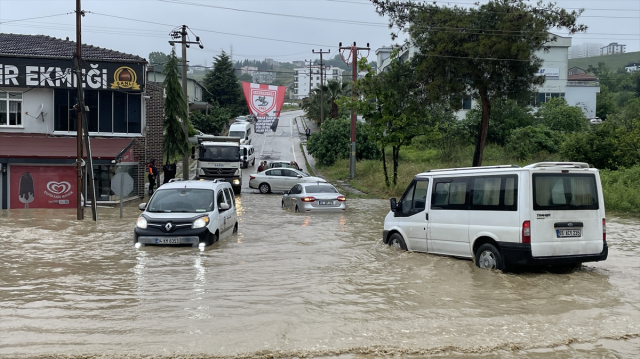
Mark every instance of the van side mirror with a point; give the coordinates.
(142, 206)
(394, 204)
(299, 176)
(224, 206)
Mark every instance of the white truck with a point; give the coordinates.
(219, 158)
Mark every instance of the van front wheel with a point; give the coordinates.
(489, 257)
(397, 242)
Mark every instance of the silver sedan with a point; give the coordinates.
(314, 197)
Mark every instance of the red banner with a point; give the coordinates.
(264, 100)
(42, 186)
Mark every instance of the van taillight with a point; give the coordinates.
(526, 232)
(604, 229)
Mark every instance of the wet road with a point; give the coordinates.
(298, 285)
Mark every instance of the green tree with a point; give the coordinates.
(506, 116)
(212, 123)
(605, 103)
(333, 142)
(525, 142)
(557, 115)
(487, 51)
(158, 60)
(223, 87)
(311, 105)
(175, 110)
(336, 89)
(628, 133)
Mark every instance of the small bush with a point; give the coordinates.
(621, 189)
(333, 142)
(557, 115)
(526, 142)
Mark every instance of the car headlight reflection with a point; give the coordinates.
(200, 222)
(142, 223)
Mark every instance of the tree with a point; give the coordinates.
(506, 116)
(487, 51)
(223, 87)
(158, 60)
(557, 115)
(334, 90)
(333, 142)
(175, 110)
(394, 104)
(212, 123)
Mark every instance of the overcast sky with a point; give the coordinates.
(283, 30)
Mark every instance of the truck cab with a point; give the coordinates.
(218, 157)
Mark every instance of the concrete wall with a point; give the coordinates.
(31, 100)
(194, 90)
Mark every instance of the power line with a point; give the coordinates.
(35, 18)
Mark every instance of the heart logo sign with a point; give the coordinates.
(57, 188)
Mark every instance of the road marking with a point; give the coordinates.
(291, 127)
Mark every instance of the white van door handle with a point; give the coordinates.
(427, 216)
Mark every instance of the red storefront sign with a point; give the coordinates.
(42, 186)
(128, 156)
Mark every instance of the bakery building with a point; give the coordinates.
(38, 121)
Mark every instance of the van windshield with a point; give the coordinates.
(219, 154)
(559, 191)
(239, 134)
(181, 200)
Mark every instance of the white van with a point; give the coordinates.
(247, 156)
(542, 214)
(241, 129)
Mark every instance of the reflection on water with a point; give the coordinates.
(291, 285)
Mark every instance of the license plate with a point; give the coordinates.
(564, 233)
(325, 203)
(167, 240)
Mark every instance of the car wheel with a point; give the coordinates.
(235, 228)
(489, 257)
(397, 242)
(264, 188)
(211, 239)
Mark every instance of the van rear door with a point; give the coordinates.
(567, 213)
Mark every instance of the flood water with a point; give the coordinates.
(298, 285)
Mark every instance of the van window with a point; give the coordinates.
(229, 197)
(494, 193)
(415, 197)
(220, 199)
(559, 191)
(449, 194)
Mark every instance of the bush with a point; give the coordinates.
(621, 189)
(525, 142)
(557, 115)
(333, 142)
(505, 117)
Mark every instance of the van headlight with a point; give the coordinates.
(200, 222)
(142, 223)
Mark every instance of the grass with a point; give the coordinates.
(612, 61)
(621, 188)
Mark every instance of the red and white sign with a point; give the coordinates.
(42, 186)
(264, 100)
(128, 157)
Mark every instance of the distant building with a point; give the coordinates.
(613, 48)
(302, 80)
(633, 67)
(582, 89)
(248, 70)
(272, 62)
(260, 77)
(587, 49)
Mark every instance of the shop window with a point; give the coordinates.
(105, 112)
(91, 100)
(134, 104)
(119, 112)
(10, 109)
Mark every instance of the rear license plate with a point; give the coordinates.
(167, 240)
(325, 203)
(564, 233)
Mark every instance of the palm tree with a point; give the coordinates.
(331, 92)
(334, 90)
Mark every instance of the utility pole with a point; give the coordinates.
(321, 83)
(354, 63)
(185, 122)
(78, 71)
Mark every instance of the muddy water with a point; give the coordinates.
(298, 285)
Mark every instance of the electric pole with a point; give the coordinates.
(185, 122)
(354, 63)
(321, 83)
(79, 107)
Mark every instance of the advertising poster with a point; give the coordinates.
(42, 187)
(265, 102)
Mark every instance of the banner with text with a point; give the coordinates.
(264, 100)
(42, 186)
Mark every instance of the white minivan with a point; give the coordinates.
(541, 214)
(241, 128)
(248, 156)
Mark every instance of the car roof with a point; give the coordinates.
(195, 185)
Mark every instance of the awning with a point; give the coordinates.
(44, 146)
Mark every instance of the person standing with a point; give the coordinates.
(261, 167)
(174, 169)
(308, 133)
(153, 173)
(166, 169)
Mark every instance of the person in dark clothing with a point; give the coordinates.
(153, 173)
(166, 169)
(174, 169)
(308, 133)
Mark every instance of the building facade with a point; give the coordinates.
(38, 92)
(305, 79)
(587, 49)
(613, 48)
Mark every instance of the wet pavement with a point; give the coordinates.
(297, 285)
